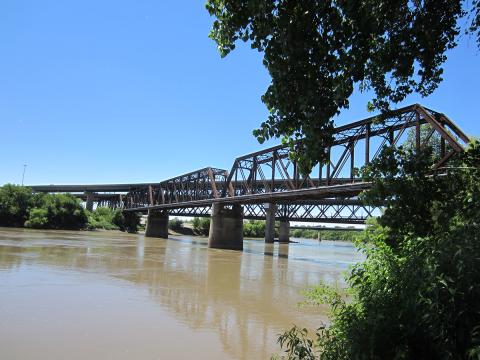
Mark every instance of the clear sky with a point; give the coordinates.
(135, 91)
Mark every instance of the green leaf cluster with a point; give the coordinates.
(201, 226)
(416, 296)
(175, 224)
(254, 228)
(334, 235)
(317, 52)
(103, 218)
(19, 207)
(126, 221)
(15, 203)
(56, 211)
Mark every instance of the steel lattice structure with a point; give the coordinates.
(329, 193)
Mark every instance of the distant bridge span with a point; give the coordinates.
(267, 184)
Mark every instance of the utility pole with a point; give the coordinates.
(23, 175)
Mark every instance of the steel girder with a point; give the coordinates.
(346, 212)
(354, 146)
(270, 176)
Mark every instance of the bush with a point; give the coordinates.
(119, 220)
(416, 295)
(59, 211)
(102, 218)
(175, 224)
(38, 218)
(15, 203)
(131, 221)
(254, 228)
(201, 226)
(334, 235)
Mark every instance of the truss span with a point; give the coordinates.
(328, 194)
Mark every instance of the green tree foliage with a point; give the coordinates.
(118, 220)
(175, 224)
(127, 221)
(37, 218)
(20, 207)
(102, 218)
(317, 52)
(59, 211)
(334, 235)
(15, 202)
(254, 228)
(201, 226)
(110, 219)
(416, 295)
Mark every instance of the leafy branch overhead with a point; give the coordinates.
(318, 51)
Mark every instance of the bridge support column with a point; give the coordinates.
(226, 227)
(284, 231)
(270, 210)
(89, 202)
(157, 224)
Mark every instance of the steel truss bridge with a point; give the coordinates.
(328, 194)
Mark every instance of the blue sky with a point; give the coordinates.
(135, 91)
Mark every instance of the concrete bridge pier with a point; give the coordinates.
(284, 231)
(270, 210)
(157, 224)
(89, 201)
(226, 227)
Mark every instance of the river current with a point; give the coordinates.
(109, 295)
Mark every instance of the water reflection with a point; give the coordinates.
(245, 298)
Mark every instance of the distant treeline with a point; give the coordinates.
(256, 229)
(21, 207)
(335, 235)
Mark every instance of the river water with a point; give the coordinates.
(108, 295)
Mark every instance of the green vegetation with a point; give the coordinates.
(251, 228)
(59, 211)
(128, 221)
(201, 226)
(19, 207)
(416, 296)
(15, 202)
(109, 219)
(102, 218)
(334, 235)
(254, 228)
(318, 52)
(175, 224)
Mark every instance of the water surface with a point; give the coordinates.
(108, 295)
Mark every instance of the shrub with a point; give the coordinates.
(201, 226)
(175, 224)
(38, 218)
(62, 211)
(102, 218)
(131, 221)
(15, 202)
(416, 294)
(254, 228)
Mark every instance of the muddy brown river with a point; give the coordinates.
(108, 295)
